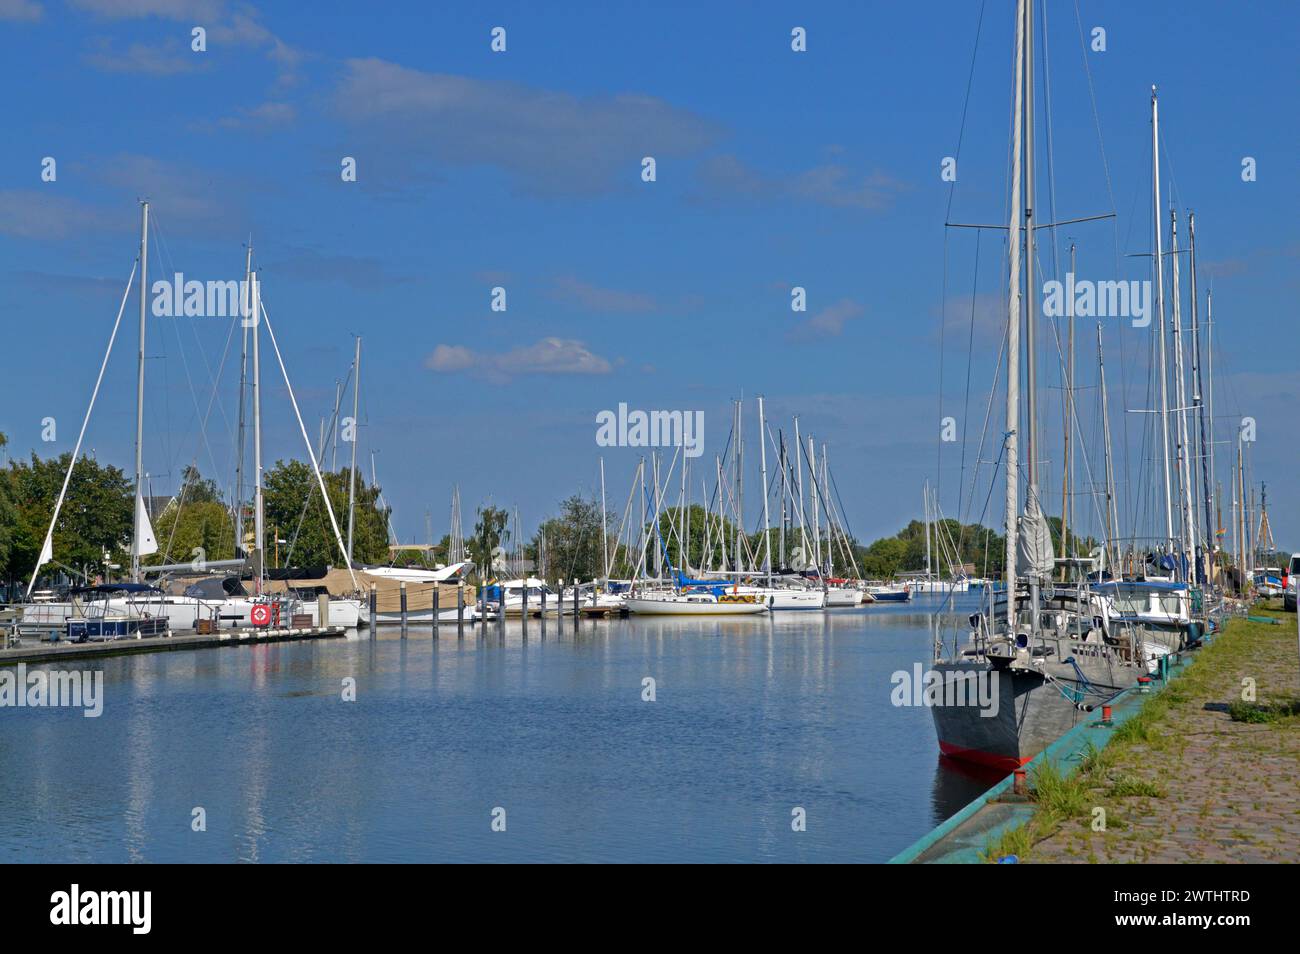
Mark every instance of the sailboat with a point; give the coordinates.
(1042, 654)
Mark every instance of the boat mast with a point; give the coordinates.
(1180, 401)
(762, 461)
(604, 526)
(1012, 442)
(925, 510)
(830, 517)
(798, 462)
(255, 293)
(1031, 277)
(139, 392)
(1069, 423)
(683, 551)
(1112, 516)
(816, 514)
(785, 517)
(1160, 319)
(1209, 356)
(352, 472)
(243, 387)
(1207, 548)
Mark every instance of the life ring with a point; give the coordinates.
(260, 614)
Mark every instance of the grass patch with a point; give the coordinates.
(1128, 785)
(1062, 796)
(1016, 840)
(1263, 712)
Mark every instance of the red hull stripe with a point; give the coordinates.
(980, 757)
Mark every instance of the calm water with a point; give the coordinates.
(753, 717)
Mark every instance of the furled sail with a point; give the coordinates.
(1036, 554)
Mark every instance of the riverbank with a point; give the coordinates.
(1206, 771)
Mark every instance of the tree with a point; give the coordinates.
(489, 533)
(97, 514)
(196, 488)
(573, 545)
(295, 512)
(196, 531)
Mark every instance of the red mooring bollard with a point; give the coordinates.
(1105, 715)
(1020, 782)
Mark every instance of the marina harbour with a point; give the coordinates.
(752, 719)
(580, 434)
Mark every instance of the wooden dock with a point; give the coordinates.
(54, 652)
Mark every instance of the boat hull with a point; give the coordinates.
(655, 607)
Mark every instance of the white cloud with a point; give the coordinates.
(549, 142)
(547, 356)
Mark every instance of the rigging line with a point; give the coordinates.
(203, 431)
(988, 410)
(943, 327)
(1051, 142)
(970, 355)
(165, 252)
(961, 131)
(76, 451)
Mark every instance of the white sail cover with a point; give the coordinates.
(1036, 554)
(144, 539)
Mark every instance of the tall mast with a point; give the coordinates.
(1069, 421)
(247, 302)
(352, 472)
(604, 527)
(139, 393)
(1031, 295)
(762, 461)
(1180, 401)
(1209, 356)
(1207, 545)
(1112, 515)
(784, 513)
(798, 463)
(816, 514)
(830, 515)
(925, 510)
(1012, 438)
(739, 460)
(259, 530)
(1160, 318)
(683, 552)
(334, 449)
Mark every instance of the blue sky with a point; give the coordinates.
(522, 169)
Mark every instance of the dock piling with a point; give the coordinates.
(402, 595)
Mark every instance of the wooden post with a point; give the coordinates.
(436, 588)
(323, 610)
(374, 609)
(402, 594)
(460, 608)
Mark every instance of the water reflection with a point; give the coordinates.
(753, 718)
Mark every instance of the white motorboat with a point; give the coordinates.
(696, 604)
(837, 596)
